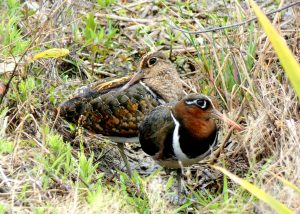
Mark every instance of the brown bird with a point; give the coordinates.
(182, 133)
(115, 107)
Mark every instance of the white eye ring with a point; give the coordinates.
(204, 105)
(191, 102)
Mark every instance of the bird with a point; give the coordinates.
(114, 107)
(180, 134)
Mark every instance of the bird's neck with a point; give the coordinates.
(168, 88)
(199, 128)
(196, 135)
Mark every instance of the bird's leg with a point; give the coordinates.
(124, 157)
(181, 188)
(179, 174)
(176, 199)
(179, 199)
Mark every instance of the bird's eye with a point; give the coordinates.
(203, 104)
(152, 61)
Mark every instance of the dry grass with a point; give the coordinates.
(47, 165)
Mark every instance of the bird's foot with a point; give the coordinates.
(177, 199)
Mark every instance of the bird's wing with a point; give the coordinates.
(103, 109)
(155, 129)
(101, 87)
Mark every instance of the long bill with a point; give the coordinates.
(221, 116)
(136, 77)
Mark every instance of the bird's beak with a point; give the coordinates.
(136, 77)
(221, 116)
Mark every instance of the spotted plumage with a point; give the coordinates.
(106, 108)
(115, 107)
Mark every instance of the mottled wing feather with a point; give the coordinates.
(115, 113)
(154, 130)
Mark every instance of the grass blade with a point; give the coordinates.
(287, 59)
(259, 193)
(287, 183)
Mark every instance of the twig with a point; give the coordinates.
(189, 87)
(4, 178)
(233, 25)
(123, 18)
(217, 153)
(85, 183)
(58, 181)
(132, 4)
(102, 156)
(104, 73)
(38, 142)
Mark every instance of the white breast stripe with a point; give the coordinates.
(176, 144)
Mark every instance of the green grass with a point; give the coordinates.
(6, 147)
(106, 3)
(12, 41)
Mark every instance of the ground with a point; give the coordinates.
(50, 166)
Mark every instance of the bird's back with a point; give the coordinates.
(101, 108)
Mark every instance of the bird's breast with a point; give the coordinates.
(183, 148)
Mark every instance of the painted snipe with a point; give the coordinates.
(115, 107)
(182, 133)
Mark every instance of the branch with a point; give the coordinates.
(233, 25)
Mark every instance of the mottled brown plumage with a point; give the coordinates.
(162, 77)
(105, 108)
(115, 107)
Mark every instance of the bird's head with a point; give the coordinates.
(158, 73)
(197, 113)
